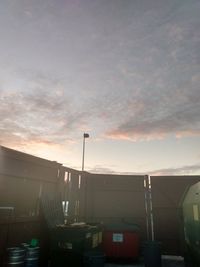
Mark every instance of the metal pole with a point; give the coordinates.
(83, 158)
(85, 135)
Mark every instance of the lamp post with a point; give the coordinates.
(85, 135)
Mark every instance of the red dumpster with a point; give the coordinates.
(121, 241)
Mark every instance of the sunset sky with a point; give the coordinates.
(125, 71)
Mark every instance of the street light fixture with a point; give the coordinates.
(85, 135)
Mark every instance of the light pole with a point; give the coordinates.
(85, 135)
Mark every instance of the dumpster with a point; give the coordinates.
(76, 238)
(121, 241)
(69, 242)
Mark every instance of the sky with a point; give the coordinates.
(126, 72)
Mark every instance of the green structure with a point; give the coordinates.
(191, 216)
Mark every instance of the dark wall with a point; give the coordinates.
(23, 181)
(114, 198)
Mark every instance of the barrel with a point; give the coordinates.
(32, 257)
(25, 245)
(94, 259)
(152, 254)
(16, 257)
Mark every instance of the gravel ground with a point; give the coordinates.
(167, 261)
(172, 261)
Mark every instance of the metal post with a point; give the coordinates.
(151, 211)
(147, 209)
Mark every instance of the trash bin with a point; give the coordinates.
(94, 259)
(152, 254)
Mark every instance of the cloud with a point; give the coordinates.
(101, 170)
(147, 87)
(183, 170)
(43, 114)
(98, 169)
(165, 78)
(129, 70)
(182, 120)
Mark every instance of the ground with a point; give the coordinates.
(167, 261)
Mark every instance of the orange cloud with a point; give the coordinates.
(129, 136)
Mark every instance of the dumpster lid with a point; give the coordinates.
(122, 227)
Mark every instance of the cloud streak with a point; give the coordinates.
(183, 170)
